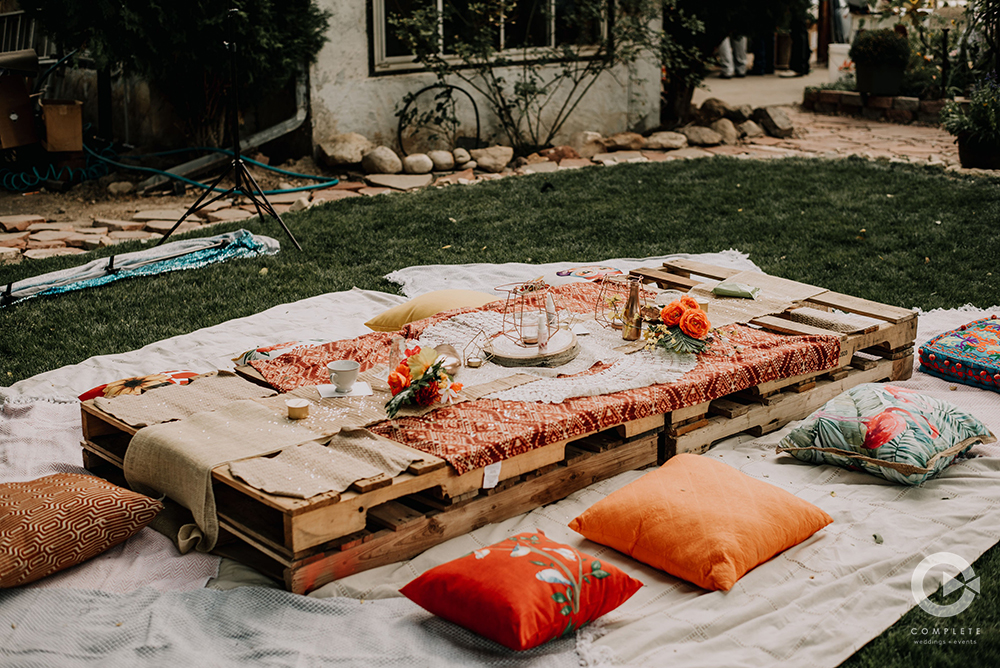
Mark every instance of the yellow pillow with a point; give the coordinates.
(701, 520)
(425, 306)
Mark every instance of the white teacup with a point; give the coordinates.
(343, 373)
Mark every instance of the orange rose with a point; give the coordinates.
(688, 301)
(398, 382)
(695, 323)
(671, 313)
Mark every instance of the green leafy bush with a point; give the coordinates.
(180, 46)
(880, 47)
(982, 119)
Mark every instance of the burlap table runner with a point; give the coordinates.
(177, 458)
(177, 402)
(309, 469)
(776, 295)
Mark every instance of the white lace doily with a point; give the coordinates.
(627, 372)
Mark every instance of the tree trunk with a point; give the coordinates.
(675, 103)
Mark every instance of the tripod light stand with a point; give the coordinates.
(243, 181)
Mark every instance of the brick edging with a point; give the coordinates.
(874, 107)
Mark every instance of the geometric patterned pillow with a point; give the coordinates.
(969, 354)
(64, 519)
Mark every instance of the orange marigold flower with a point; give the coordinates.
(671, 313)
(428, 394)
(687, 301)
(695, 323)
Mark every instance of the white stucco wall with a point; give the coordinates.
(345, 98)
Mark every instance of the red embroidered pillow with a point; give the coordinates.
(138, 384)
(64, 519)
(522, 592)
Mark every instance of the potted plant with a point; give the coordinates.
(976, 125)
(880, 57)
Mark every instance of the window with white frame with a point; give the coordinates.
(523, 25)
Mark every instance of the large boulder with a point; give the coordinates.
(624, 141)
(560, 153)
(345, 149)
(587, 144)
(443, 161)
(727, 130)
(712, 110)
(774, 120)
(739, 113)
(417, 163)
(666, 141)
(493, 159)
(700, 136)
(461, 156)
(751, 130)
(381, 160)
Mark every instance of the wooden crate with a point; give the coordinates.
(307, 543)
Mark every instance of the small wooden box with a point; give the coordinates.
(63, 125)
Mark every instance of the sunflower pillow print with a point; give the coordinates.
(522, 592)
(138, 384)
(888, 431)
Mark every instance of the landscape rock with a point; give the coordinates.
(666, 141)
(712, 110)
(14, 239)
(699, 136)
(492, 159)
(454, 178)
(345, 149)
(750, 129)
(587, 144)
(144, 216)
(164, 226)
(9, 255)
(50, 235)
(774, 120)
(125, 236)
(42, 253)
(129, 225)
(221, 216)
(443, 161)
(691, 152)
(19, 223)
(399, 181)
(331, 194)
(418, 163)
(539, 167)
(86, 240)
(534, 159)
(382, 160)
(726, 130)
(46, 243)
(619, 157)
(624, 141)
(372, 192)
(301, 204)
(739, 113)
(560, 153)
(120, 188)
(461, 156)
(465, 166)
(575, 163)
(45, 227)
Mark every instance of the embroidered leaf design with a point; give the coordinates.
(565, 610)
(559, 597)
(596, 566)
(586, 578)
(539, 563)
(600, 575)
(553, 576)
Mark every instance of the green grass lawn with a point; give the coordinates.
(897, 234)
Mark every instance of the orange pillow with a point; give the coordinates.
(523, 591)
(64, 519)
(701, 520)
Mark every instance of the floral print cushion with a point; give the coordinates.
(969, 354)
(523, 591)
(887, 431)
(139, 384)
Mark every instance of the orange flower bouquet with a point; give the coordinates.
(684, 329)
(420, 379)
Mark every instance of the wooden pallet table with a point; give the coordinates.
(306, 543)
(881, 351)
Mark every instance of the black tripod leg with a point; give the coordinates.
(254, 193)
(198, 204)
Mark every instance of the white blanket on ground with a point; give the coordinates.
(858, 589)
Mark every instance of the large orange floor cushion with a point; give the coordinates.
(701, 520)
